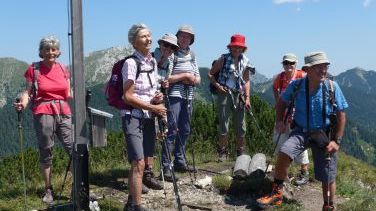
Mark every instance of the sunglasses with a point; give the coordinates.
(168, 45)
(288, 63)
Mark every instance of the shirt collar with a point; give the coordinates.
(141, 57)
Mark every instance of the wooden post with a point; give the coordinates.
(80, 150)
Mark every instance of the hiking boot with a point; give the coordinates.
(185, 168)
(149, 181)
(167, 174)
(327, 207)
(240, 152)
(132, 207)
(144, 190)
(302, 178)
(129, 206)
(48, 196)
(222, 155)
(139, 208)
(273, 199)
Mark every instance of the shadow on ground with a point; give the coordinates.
(113, 178)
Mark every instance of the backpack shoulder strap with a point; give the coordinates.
(193, 55)
(64, 71)
(331, 90)
(138, 63)
(36, 68)
(296, 88)
(280, 82)
(224, 56)
(36, 73)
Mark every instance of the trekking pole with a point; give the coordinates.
(279, 134)
(163, 131)
(171, 168)
(170, 164)
(328, 158)
(20, 139)
(192, 147)
(65, 177)
(163, 179)
(254, 119)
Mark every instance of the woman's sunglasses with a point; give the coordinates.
(288, 63)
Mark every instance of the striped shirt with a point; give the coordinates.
(183, 61)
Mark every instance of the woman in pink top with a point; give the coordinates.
(48, 91)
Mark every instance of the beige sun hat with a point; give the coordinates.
(290, 57)
(170, 39)
(188, 29)
(313, 58)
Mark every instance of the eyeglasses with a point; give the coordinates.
(288, 63)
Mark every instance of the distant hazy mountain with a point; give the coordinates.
(359, 88)
(98, 65)
(11, 78)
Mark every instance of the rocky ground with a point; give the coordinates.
(208, 198)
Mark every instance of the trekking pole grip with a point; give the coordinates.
(19, 112)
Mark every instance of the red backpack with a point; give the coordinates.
(114, 87)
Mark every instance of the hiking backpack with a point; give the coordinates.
(212, 88)
(114, 87)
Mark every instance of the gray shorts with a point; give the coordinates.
(297, 143)
(139, 136)
(46, 125)
(225, 110)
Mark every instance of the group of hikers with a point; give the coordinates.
(309, 110)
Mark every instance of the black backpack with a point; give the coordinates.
(212, 88)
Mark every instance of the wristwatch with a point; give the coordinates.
(338, 140)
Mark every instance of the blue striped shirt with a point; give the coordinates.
(184, 61)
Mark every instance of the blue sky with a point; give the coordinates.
(345, 30)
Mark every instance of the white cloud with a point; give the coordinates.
(366, 3)
(289, 1)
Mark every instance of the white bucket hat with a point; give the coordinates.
(170, 39)
(313, 58)
(289, 57)
(188, 29)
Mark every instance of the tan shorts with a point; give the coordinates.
(225, 109)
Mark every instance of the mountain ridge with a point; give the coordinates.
(356, 83)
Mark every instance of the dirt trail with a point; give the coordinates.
(193, 198)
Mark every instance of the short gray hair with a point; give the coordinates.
(48, 42)
(134, 30)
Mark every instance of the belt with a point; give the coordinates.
(138, 113)
(54, 107)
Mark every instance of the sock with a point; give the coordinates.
(130, 199)
(330, 203)
(137, 207)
